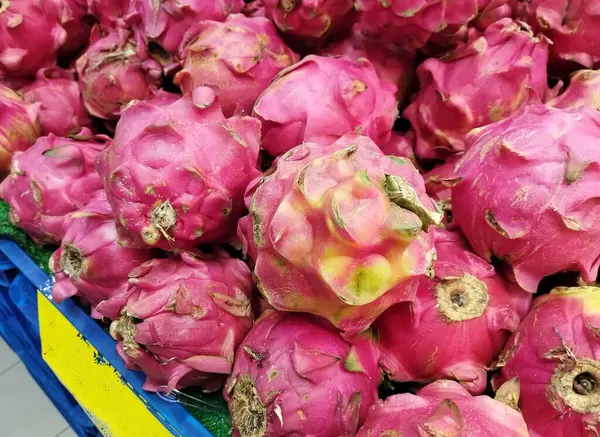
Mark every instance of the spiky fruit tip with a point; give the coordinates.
(248, 414)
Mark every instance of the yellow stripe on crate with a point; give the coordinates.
(111, 404)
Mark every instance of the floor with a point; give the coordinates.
(21, 400)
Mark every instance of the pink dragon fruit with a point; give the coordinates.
(19, 126)
(30, 35)
(439, 183)
(113, 71)
(457, 322)
(294, 375)
(72, 15)
(445, 409)
(167, 188)
(316, 202)
(509, 61)
(573, 27)
(545, 203)
(401, 146)
(322, 97)
(491, 11)
(311, 21)
(51, 179)
(413, 22)
(392, 64)
(165, 23)
(183, 319)
(61, 107)
(239, 58)
(583, 90)
(555, 353)
(90, 261)
(109, 13)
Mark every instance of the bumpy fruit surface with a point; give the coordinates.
(455, 324)
(295, 375)
(335, 230)
(54, 177)
(446, 409)
(542, 216)
(238, 58)
(322, 97)
(182, 319)
(176, 173)
(555, 353)
(583, 90)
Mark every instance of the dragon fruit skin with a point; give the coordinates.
(51, 179)
(313, 203)
(583, 90)
(19, 126)
(311, 21)
(90, 261)
(510, 63)
(439, 183)
(295, 375)
(444, 408)
(77, 28)
(238, 58)
(555, 352)
(62, 111)
(392, 64)
(549, 160)
(191, 312)
(456, 324)
(165, 23)
(401, 146)
(180, 191)
(109, 13)
(324, 97)
(30, 36)
(113, 71)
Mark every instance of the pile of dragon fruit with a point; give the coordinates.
(374, 218)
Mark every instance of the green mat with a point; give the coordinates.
(209, 409)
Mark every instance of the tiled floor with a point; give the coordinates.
(25, 411)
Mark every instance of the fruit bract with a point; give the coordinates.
(19, 126)
(510, 64)
(401, 146)
(542, 216)
(71, 15)
(54, 177)
(583, 90)
(310, 21)
(325, 97)
(62, 111)
(109, 13)
(295, 375)
(183, 319)
(113, 71)
(238, 58)
(444, 408)
(176, 173)
(456, 323)
(438, 183)
(337, 229)
(90, 262)
(555, 353)
(30, 36)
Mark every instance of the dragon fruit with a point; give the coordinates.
(61, 107)
(72, 15)
(316, 202)
(165, 23)
(445, 409)
(545, 203)
(295, 375)
(556, 355)
(439, 183)
(311, 21)
(491, 11)
(90, 261)
(109, 13)
(583, 90)
(392, 64)
(509, 61)
(19, 126)
(413, 22)
(30, 36)
(401, 146)
(113, 71)
(239, 58)
(167, 188)
(51, 179)
(183, 319)
(456, 324)
(323, 97)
